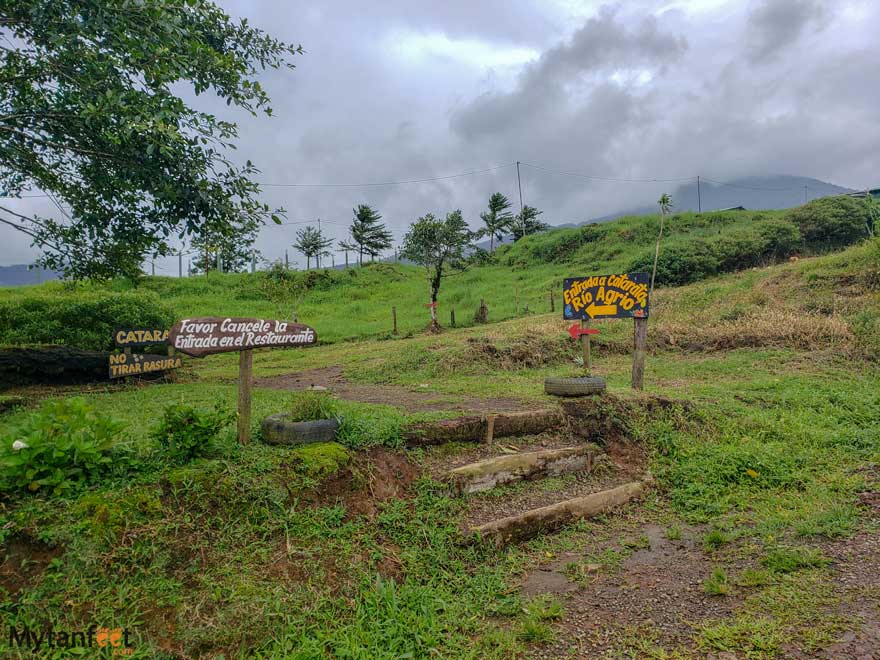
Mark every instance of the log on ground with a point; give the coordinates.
(491, 472)
(529, 524)
(473, 428)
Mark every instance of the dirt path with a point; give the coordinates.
(393, 395)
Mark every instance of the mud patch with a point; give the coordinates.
(333, 379)
(657, 589)
(375, 476)
(24, 561)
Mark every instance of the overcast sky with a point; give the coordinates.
(402, 89)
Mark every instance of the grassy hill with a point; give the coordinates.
(357, 302)
(760, 423)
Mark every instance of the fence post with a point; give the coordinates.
(640, 341)
(452, 316)
(394, 318)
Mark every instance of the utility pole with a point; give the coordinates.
(699, 197)
(180, 264)
(286, 261)
(153, 265)
(519, 185)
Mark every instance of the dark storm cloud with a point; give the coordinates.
(775, 25)
(602, 46)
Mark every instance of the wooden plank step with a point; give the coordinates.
(529, 524)
(480, 428)
(491, 472)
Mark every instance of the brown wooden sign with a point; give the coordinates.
(210, 334)
(137, 364)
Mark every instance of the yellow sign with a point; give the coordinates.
(606, 296)
(140, 336)
(122, 365)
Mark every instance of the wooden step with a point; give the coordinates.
(491, 472)
(529, 524)
(483, 428)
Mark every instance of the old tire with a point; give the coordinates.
(280, 430)
(583, 386)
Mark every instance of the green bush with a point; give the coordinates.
(186, 433)
(63, 446)
(313, 405)
(831, 222)
(779, 238)
(680, 263)
(83, 319)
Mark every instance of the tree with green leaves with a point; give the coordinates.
(346, 247)
(527, 223)
(90, 114)
(441, 247)
(367, 233)
(312, 243)
(234, 248)
(665, 203)
(497, 219)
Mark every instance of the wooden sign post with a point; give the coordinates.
(245, 378)
(208, 335)
(623, 295)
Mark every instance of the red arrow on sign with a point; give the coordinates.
(576, 331)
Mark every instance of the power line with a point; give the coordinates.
(605, 178)
(386, 183)
(737, 185)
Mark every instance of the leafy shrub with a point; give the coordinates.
(83, 319)
(680, 263)
(831, 221)
(312, 405)
(63, 446)
(186, 433)
(779, 238)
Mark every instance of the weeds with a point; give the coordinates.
(717, 583)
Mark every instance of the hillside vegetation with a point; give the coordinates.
(517, 279)
(760, 424)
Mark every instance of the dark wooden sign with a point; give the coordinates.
(137, 364)
(622, 296)
(140, 336)
(207, 335)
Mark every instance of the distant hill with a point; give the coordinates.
(21, 274)
(753, 193)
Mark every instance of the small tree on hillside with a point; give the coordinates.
(439, 246)
(346, 247)
(527, 223)
(665, 203)
(311, 242)
(234, 246)
(497, 219)
(370, 235)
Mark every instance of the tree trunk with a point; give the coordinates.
(435, 290)
(308, 262)
(657, 254)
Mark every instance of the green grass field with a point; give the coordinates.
(768, 439)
